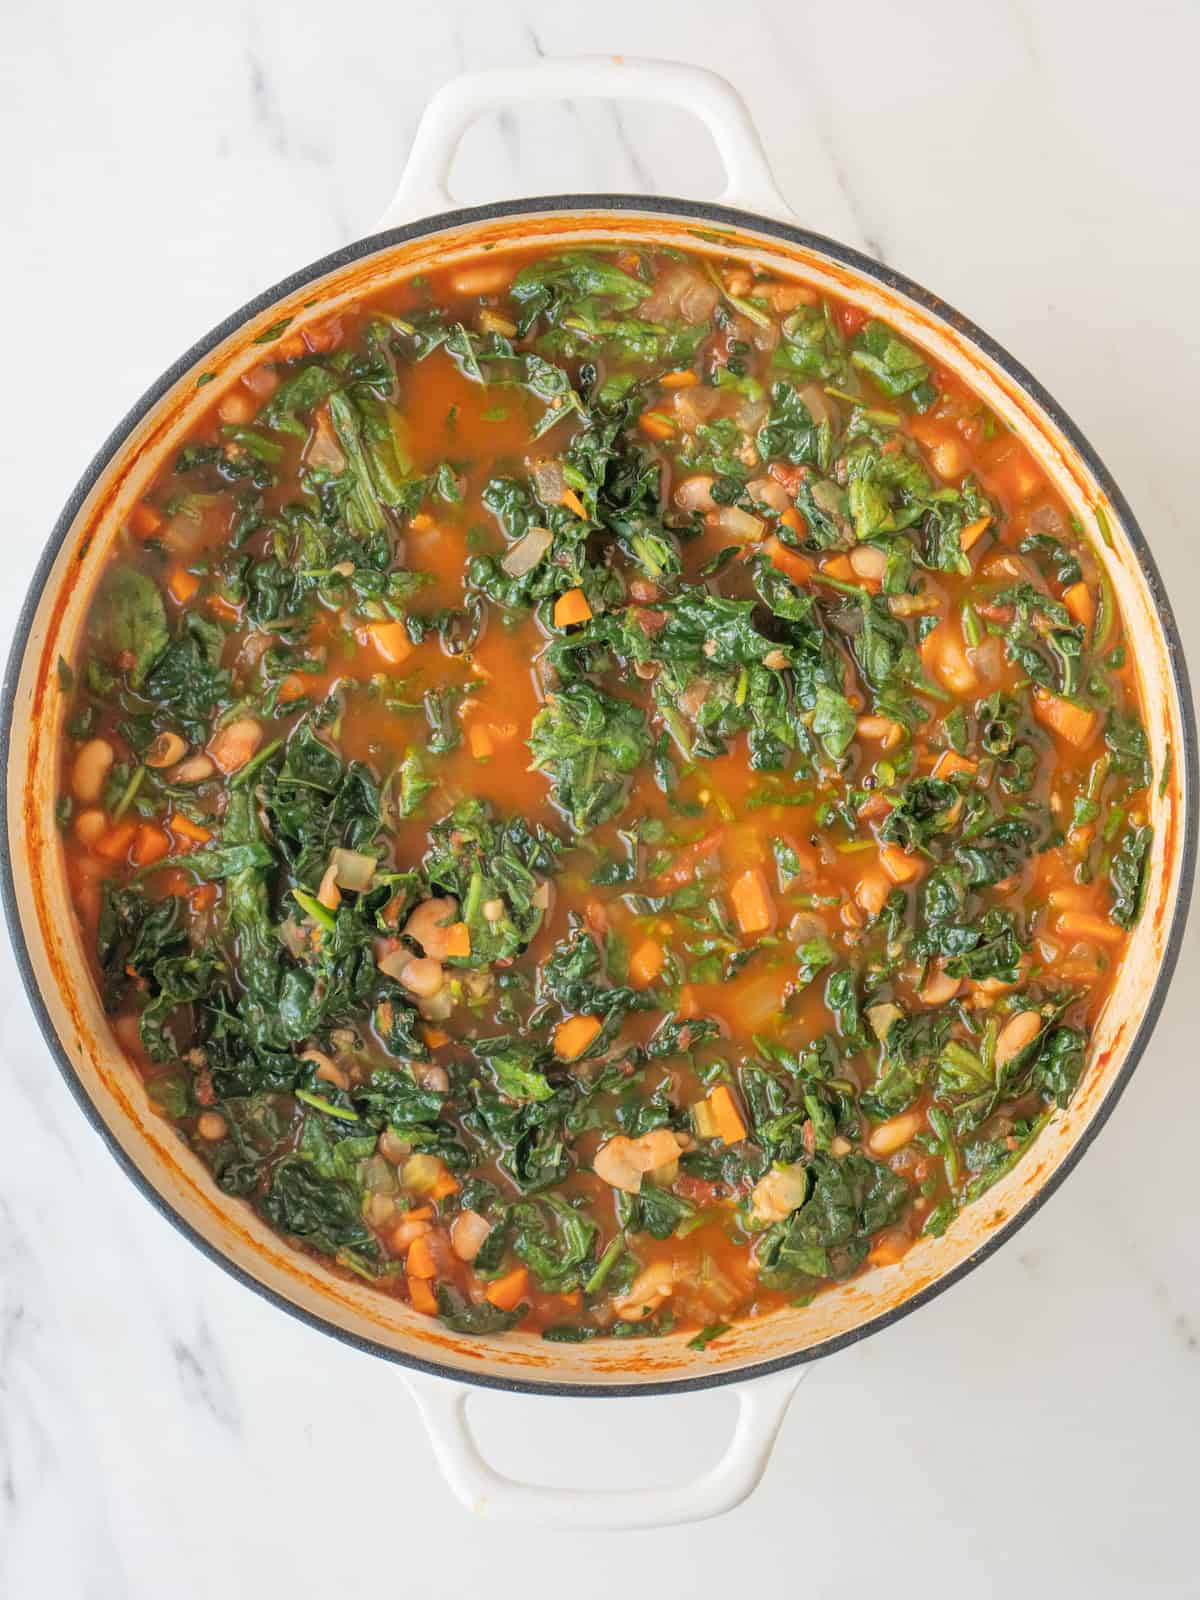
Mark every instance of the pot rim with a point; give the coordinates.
(1185, 761)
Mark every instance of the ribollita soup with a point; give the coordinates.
(604, 793)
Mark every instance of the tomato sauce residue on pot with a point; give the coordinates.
(604, 793)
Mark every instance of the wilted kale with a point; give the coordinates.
(1127, 875)
(589, 743)
(482, 861)
(829, 1235)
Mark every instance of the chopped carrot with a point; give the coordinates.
(419, 1214)
(573, 504)
(114, 845)
(572, 1037)
(684, 379)
(1086, 925)
(874, 807)
(391, 641)
(900, 868)
(150, 844)
(790, 562)
(727, 1119)
(422, 1296)
(973, 532)
(1075, 724)
(144, 521)
(792, 520)
(1080, 604)
(182, 585)
(570, 608)
(202, 896)
(950, 762)
(480, 741)
(184, 828)
(420, 1262)
(435, 1037)
(573, 1300)
(456, 939)
(752, 904)
(646, 963)
(656, 425)
(293, 687)
(446, 1184)
(422, 522)
(506, 1293)
(220, 607)
(838, 567)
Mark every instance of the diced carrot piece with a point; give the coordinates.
(184, 828)
(506, 1293)
(293, 687)
(391, 641)
(874, 807)
(1085, 925)
(150, 844)
(480, 741)
(446, 1184)
(572, 1301)
(646, 963)
(944, 657)
(686, 1004)
(572, 1037)
(573, 504)
(114, 845)
(202, 896)
(220, 607)
(435, 1037)
(422, 522)
(422, 1297)
(570, 608)
(752, 904)
(144, 521)
(419, 1262)
(973, 532)
(900, 868)
(684, 379)
(838, 567)
(726, 1116)
(656, 425)
(950, 762)
(1080, 604)
(182, 585)
(790, 562)
(1073, 723)
(457, 939)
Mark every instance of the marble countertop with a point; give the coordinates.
(164, 1432)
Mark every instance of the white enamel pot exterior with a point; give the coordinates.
(764, 1358)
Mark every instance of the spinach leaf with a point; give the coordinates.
(137, 621)
(589, 742)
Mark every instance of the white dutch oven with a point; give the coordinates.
(763, 1360)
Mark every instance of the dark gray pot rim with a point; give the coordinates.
(1185, 760)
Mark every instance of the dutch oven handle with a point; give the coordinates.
(762, 1405)
(423, 191)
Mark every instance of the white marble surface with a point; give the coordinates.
(1034, 1431)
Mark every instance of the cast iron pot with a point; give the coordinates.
(764, 1359)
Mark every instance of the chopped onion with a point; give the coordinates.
(732, 519)
(467, 1233)
(352, 868)
(527, 552)
(323, 450)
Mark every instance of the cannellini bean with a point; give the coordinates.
(194, 770)
(166, 750)
(405, 1231)
(435, 1078)
(488, 278)
(90, 825)
(234, 744)
(422, 977)
(888, 733)
(894, 1134)
(939, 989)
(236, 407)
(91, 768)
(467, 1233)
(871, 892)
(785, 297)
(777, 1194)
(1016, 1034)
(868, 562)
(429, 924)
(649, 1289)
(695, 494)
(622, 1161)
(770, 492)
(211, 1125)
